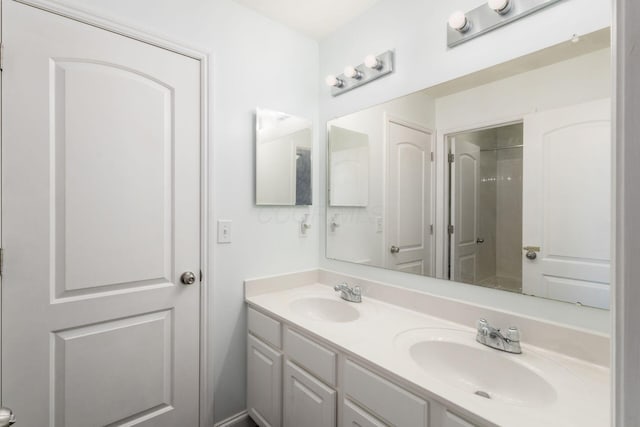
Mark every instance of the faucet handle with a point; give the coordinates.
(483, 327)
(357, 290)
(513, 334)
(340, 286)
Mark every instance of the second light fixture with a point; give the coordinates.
(373, 67)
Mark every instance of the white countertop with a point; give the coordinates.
(380, 335)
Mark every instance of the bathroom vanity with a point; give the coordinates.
(407, 358)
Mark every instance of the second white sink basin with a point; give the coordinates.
(325, 309)
(454, 357)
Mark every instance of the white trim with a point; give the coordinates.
(241, 419)
(206, 413)
(626, 272)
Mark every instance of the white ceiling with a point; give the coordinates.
(315, 18)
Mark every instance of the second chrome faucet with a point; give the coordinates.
(494, 338)
(348, 293)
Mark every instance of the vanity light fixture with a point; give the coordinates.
(333, 81)
(372, 61)
(501, 7)
(459, 22)
(374, 67)
(352, 72)
(489, 16)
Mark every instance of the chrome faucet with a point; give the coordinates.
(492, 337)
(348, 293)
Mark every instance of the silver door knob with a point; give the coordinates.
(394, 249)
(6, 417)
(479, 240)
(532, 252)
(188, 278)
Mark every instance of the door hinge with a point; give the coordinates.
(452, 157)
(201, 276)
(432, 156)
(431, 228)
(1, 261)
(1, 56)
(450, 229)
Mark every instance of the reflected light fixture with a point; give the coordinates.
(352, 72)
(333, 81)
(374, 67)
(459, 22)
(501, 7)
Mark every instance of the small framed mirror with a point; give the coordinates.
(283, 159)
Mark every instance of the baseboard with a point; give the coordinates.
(239, 420)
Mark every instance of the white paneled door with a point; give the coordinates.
(409, 181)
(465, 173)
(100, 219)
(567, 203)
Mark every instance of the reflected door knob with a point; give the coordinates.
(394, 249)
(188, 278)
(532, 252)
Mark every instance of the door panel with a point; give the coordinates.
(307, 401)
(264, 388)
(409, 204)
(465, 179)
(567, 203)
(101, 211)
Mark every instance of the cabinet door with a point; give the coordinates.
(307, 401)
(264, 386)
(354, 416)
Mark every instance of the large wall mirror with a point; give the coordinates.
(499, 179)
(283, 159)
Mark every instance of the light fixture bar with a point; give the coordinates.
(484, 19)
(382, 67)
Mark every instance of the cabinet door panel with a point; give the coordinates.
(307, 401)
(354, 416)
(264, 385)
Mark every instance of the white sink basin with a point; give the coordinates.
(454, 358)
(325, 309)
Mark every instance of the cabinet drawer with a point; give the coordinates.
(390, 402)
(452, 420)
(315, 358)
(264, 327)
(354, 416)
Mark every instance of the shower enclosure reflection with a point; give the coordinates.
(486, 207)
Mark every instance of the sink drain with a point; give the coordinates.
(483, 394)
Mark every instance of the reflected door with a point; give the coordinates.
(408, 198)
(465, 173)
(567, 203)
(100, 218)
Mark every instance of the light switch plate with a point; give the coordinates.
(224, 231)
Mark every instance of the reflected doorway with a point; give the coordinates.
(485, 207)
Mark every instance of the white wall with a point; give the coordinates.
(254, 62)
(416, 29)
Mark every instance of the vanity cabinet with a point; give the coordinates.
(295, 381)
(307, 401)
(264, 372)
(354, 416)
